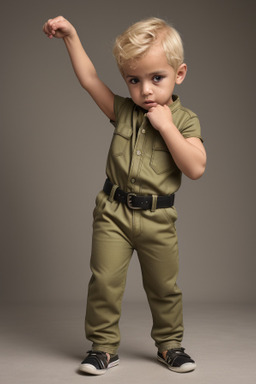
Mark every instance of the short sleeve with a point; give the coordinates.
(191, 127)
(119, 102)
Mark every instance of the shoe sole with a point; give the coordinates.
(187, 367)
(89, 368)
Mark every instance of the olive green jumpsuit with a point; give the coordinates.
(138, 162)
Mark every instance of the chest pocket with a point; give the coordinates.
(161, 159)
(121, 139)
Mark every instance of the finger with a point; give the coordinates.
(55, 21)
(60, 25)
(50, 22)
(51, 26)
(50, 31)
(47, 27)
(58, 18)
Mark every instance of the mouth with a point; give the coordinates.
(150, 103)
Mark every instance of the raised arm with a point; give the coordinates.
(83, 67)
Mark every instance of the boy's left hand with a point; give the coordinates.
(160, 116)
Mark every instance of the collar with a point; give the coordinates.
(175, 104)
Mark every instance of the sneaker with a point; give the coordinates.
(96, 363)
(177, 360)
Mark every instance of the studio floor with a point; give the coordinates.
(45, 344)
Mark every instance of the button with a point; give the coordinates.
(133, 181)
(138, 153)
(143, 130)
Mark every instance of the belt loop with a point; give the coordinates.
(154, 201)
(112, 193)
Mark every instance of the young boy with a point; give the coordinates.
(155, 140)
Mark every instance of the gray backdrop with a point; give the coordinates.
(54, 143)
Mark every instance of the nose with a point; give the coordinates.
(146, 89)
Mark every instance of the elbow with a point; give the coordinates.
(196, 173)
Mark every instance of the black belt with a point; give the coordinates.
(134, 201)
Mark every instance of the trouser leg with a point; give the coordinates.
(111, 254)
(158, 256)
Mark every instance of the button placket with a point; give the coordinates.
(137, 157)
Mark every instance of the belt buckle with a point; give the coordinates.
(129, 200)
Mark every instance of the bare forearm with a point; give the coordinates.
(83, 67)
(188, 154)
(87, 76)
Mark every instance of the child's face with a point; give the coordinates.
(151, 79)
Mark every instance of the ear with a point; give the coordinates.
(181, 73)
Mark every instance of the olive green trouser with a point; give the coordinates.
(117, 231)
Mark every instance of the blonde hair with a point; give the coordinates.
(134, 43)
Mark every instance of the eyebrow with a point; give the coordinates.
(161, 72)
